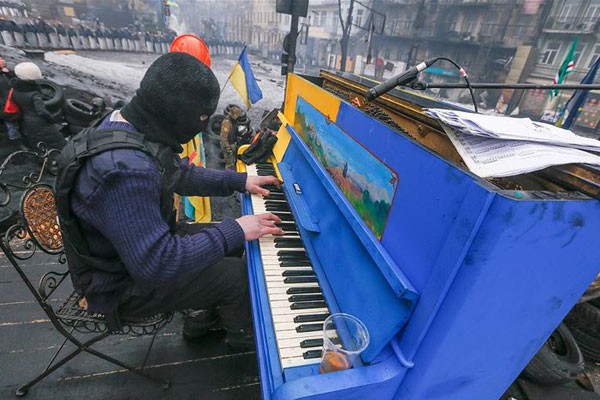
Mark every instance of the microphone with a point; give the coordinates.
(398, 80)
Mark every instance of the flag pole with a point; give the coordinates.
(229, 77)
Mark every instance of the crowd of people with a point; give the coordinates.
(39, 34)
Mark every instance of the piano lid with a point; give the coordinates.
(342, 194)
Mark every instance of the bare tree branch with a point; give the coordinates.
(340, 15)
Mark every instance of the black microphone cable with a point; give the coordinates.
(463, 74)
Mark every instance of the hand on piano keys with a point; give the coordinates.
(254, 184)
(259, 225)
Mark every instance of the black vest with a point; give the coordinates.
(73, 156)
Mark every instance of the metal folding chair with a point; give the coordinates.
(35, 231)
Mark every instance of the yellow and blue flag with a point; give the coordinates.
(243, 80)
(196, 208)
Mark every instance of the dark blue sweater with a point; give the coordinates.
(117, 201)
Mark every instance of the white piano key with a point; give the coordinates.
(287, 339)
(296, 352)
(291, 334)
(298, 361)
(289, 311)
(295, 342)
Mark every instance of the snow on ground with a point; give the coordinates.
(124, 71)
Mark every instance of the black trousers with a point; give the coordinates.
(223, 285)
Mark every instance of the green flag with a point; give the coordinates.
(566, 68)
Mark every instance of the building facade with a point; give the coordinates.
(491, 39)
(567, 20)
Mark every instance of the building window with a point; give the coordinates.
(594, 56)
(569, 10)
(549, 53)
(359, 15)
(323, 18)
(317, 19)
(593, 12)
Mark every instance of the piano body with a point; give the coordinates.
(459, 280)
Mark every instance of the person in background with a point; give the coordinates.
(119, 206)
(379, 67)
(36, 123)
(10, 120)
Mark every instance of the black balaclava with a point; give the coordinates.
(175, 91)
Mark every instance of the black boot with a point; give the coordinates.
(240, 341)
(197, 323)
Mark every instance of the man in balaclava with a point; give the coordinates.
(121, 204)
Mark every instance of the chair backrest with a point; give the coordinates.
(29, 229)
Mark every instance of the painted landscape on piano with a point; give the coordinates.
(367, 182)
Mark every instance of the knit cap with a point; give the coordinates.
(175, 91)
(28, 71)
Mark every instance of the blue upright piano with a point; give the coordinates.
(459, 280)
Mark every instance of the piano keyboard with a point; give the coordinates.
(298, 307)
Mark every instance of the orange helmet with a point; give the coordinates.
(193, 46)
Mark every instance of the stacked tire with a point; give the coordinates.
(54, 98)
(559, 361)
(79, 115)
(584, 323)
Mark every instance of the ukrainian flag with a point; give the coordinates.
(243, 80)
(196, 208)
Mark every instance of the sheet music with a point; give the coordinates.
(509, 128)
(488, 157)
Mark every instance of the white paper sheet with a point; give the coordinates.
(509, 128)
(489, 157)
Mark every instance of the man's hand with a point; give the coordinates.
(259, 225)
(254, 183)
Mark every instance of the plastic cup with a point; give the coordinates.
(344, 338)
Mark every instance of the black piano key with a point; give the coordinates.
(307, 343)
(300, 279)
(312, 354)
(283, 216)
(305, 305)
(295, 272)
(305, 297)
(290, 244)
(309, 328)
(292, 258)
(295, 263)
(276, 207)
(303, 289)
(277, 204)
(288, 257)
(292, 253)
(288, 226)
(287, 240)
(310, 318)
(266, 169)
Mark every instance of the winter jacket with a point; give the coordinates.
(37, 123)
(5, 78)
(116, 199)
